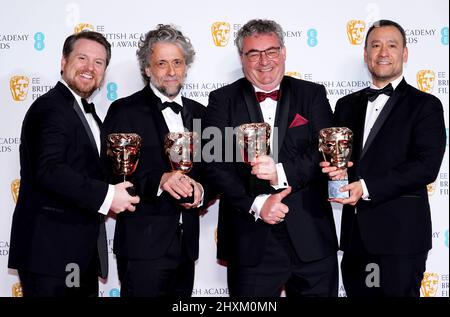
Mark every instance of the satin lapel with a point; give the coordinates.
(186, 114)
(282, 113)
(253, 107)
(71, 101)
(86, 126)
(359, 108)
(154, 103)
(383, 116)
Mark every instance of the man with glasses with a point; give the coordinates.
(278, 230)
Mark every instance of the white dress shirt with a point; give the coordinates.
(269, 109)
(174, 122)
(95, 129)
(373, 110)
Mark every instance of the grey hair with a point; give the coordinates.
(258, 26)
(167, 34)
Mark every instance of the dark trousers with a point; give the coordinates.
(170, 275)
(40, 285)
(371, 275)
(280, 267)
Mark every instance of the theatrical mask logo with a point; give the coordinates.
(294, 74)
(220, 32)
(431, 188)
(19, 87)
(15, 185)
(17, 290)
(83, 27)
(355, 31)
(429, 285)
(425, 80)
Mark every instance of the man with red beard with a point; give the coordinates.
(58, 240)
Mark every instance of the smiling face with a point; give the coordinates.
(265, 73)
(385, 55)
(167, 68)
(84, 68)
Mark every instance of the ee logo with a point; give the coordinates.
(39, 41)
(312, 37)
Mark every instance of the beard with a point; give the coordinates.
(171, 92)
(83, 90)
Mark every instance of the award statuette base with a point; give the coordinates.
(333, 189)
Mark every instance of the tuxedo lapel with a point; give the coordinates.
(282, 113)
(253, 107)
(86, 126)
(359, 112)
(72, 101)
(383, 115)
(186, 114)
(155, 104)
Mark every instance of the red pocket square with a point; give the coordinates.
(298, 121)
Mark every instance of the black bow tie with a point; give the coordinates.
(90, 108)
(173, 105)
(372, 94)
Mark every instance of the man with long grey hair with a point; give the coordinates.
(157, 247)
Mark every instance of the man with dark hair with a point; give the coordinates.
(399, 143)
(157, 246)
(58, 224)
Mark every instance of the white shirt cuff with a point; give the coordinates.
(203, 195)
(365, 195)
(104, 208)
(282, 179)
(256, 207)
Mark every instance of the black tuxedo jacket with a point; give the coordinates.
(309, 222)
(402, 154)
(56, 220)
(147, 232)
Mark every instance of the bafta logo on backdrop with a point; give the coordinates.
(15, 185)
(220, 32)
(16, 290)
(80, 27)
(294, 74)
(19, 87)
(355, 31)
(429, 285)
(431, 188)
(425, 80)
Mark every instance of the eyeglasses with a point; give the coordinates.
(255, 55)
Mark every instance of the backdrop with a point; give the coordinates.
(324, 42)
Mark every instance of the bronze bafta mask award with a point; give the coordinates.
(336, 147)
(124, 149)
(180, 147)
(254, 140)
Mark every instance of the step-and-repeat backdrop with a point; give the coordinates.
(324, 42)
